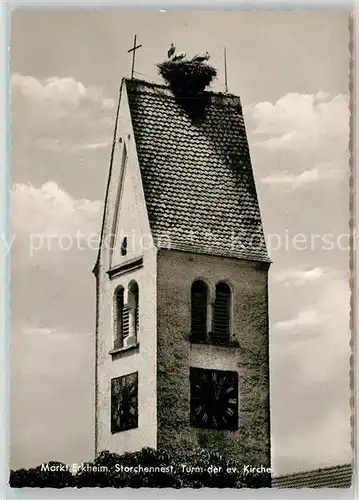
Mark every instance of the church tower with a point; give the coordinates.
(182, 291)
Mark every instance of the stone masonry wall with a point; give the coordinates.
(175, 273)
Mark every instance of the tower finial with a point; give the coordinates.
(225, 70)
(133, 50)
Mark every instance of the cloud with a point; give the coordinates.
(96, 145)
(302, 122)
(307, 318)
(323, 323)
(66, 92)
(56, 238)
(54, 333)
(59, 114)
(55, 144)
(310, 377)
(320, 173)
(313, 448)
(299, 277)
(49, 209)
(30, 330)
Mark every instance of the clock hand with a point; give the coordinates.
(218, 389)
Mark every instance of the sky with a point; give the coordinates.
(291, 71)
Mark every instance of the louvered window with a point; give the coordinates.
(126, 317)
(125, 322)
(137, 310)
(221, 314)
(199, 295)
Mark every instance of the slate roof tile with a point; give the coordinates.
(329, 477)
(197, 174)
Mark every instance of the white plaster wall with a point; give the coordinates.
(128, 223)
(144, 361)
(248, 281)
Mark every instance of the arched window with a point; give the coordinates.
(221, 314)
(199, 294)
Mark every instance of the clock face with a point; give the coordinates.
(214, 399)
(124, 403)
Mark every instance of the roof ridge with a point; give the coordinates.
(167, 87)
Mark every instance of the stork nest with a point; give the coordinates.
(187, 78)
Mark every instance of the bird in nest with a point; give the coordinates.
(179, 56)
(171, 50)
(201, 57)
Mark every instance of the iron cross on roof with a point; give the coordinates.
(133, 50)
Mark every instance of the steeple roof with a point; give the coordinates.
(196, 172)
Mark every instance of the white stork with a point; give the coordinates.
(179, 56)
(171, 50)
(201, 57)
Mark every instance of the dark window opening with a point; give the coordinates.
(124, 246)
(199, 294)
